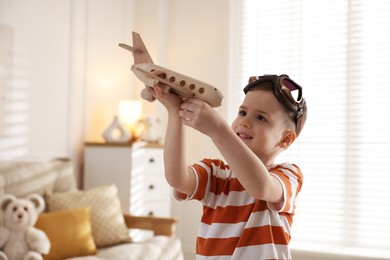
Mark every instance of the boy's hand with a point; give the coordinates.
(169, 100)
(201, 116)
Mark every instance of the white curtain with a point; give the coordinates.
(339, 52)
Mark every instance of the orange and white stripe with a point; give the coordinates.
(234, 225)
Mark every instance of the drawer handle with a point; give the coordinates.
(151, 160)
(151, 187)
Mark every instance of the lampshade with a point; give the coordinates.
(130, 112)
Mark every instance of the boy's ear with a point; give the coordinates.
(288, 138)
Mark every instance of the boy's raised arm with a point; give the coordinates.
(247, 167)
(178, 175)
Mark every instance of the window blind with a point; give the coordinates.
(338, 50)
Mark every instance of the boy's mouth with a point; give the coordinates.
(244, 136)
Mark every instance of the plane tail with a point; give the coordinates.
(140, 53)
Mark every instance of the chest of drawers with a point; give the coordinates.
(138, 172)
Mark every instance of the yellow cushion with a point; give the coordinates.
(108, 224)
(69, 232)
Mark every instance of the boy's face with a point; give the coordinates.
(260, 124)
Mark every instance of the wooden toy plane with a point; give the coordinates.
(177, 83)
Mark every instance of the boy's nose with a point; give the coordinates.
(245, 122)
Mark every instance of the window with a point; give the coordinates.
(338, 50)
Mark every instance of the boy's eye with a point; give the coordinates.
(261, 118)
(241, 113)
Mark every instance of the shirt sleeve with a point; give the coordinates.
(291, 179)
(202, 171)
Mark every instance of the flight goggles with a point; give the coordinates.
(288, 93)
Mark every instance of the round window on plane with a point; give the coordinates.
(162, 75)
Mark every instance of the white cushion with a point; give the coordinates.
(155, 248)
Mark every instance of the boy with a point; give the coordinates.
(248, 202)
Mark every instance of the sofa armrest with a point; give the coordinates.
(159, 226)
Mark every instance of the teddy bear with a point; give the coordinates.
(19, 239)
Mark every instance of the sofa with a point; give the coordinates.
(88, 224)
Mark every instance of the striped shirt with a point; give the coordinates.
(235, 225)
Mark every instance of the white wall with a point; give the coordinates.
(36, 90)
(66, 77)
